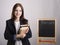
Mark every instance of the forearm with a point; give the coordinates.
(29, 34)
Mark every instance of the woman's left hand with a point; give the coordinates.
(24, 29)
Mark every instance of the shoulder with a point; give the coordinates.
(24, 21)
(9, 20)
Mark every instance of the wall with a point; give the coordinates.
(33, 10)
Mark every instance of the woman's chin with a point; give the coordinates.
(17, 16)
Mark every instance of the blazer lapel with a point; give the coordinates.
(13, 26)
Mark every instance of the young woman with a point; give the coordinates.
(13, 32)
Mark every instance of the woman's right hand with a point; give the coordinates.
(21, 35)
(24, 29)
(23, 32)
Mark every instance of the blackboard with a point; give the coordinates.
(46, 28)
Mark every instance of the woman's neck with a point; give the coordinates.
(17, 19)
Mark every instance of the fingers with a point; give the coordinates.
(24, 29)
(22, 35)
(27, 30)
(23, 32)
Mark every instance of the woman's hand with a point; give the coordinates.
(21, 35)
(24, 29)
(23, 32)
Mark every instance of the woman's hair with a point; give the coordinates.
(13, 10)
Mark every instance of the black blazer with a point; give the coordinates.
(10, 31)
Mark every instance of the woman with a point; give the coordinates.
(13, 32)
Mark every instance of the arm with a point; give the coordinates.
(7, 33)
(29, 34)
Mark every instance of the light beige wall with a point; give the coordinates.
(33, 10)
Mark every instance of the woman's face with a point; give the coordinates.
(18, 12)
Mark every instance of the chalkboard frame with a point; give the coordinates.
(52, 38)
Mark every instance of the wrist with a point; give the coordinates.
(18, 36)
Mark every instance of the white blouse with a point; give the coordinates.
(17, 25)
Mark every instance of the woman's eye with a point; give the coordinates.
(15, 10)
(20, 10)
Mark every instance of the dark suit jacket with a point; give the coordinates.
(10, 31)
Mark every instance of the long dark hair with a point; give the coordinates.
(13, 10)
(24, 21)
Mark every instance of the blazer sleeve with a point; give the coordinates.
(7, 33)
(29, 34)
